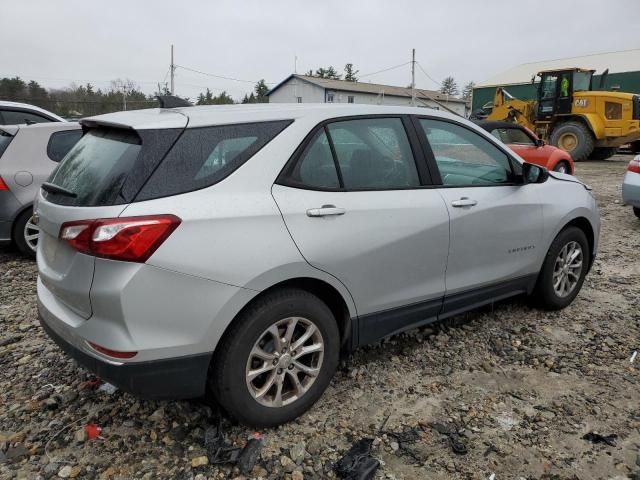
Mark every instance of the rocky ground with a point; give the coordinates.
(516, 388)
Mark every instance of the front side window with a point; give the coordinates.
(465, 158)
(5, 140)
(512, 136)
(61, 142)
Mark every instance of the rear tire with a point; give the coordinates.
(603, 153)
(23, 232)
(552, 292)
(574, 138)
(636, 211)
(273, 397)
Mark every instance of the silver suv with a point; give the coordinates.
(240, 250)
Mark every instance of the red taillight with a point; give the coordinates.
(111, 353)
(131, 239)
(634, 165)
(3, 185)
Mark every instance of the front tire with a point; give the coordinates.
(26, 234)
(277, 358)
(563, 270)
(562, 167)
(574, 138)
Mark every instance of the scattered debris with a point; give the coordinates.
(597, 438)
(358, 464)
(108, 388)
(92, 430)
(249, 454)
(455, 439)
(492, 476)
(633, 356)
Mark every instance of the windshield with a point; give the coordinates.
(95, 168)
(581, 81)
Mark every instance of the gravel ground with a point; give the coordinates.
(518, 387)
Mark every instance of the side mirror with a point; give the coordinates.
(534, 174)
(540, 143)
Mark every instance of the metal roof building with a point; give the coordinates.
(307, 89)
(623, 66)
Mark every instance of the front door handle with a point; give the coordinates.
(464, 202)
(325, 211)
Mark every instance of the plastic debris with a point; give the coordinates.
(597, 438)
(93, 431)
(249, 454)
(108, 388)
(218, 451)
(358, 464)
(90, 384)
(455, 440)
(633, 356)
(492, 476)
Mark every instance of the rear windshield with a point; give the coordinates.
(5, 140)
(117, 166)
(204, 156)
(96, 167)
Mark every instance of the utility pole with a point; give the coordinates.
(173, 69)
(413, 77)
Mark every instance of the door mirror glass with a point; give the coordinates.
(534, 173)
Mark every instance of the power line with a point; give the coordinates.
(429, 76)
(220, 76)
(384, 70)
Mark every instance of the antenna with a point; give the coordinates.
(413, 77)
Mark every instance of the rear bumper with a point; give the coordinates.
(175, 378)
(631, 189)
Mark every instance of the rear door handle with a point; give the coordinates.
(325, 211)
(464, 202)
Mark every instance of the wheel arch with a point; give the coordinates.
(324, 290)
(585, 225)
(590, 120)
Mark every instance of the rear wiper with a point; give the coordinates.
(51, 188)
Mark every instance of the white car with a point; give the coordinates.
(14, 113)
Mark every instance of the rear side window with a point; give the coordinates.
(15, 117)
(96, 167)
(5, 140)
(61, 142)
(362, 154)
(203, 156)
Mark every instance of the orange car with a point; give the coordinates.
(526, 144)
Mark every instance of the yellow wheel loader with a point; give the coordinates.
(572, 116)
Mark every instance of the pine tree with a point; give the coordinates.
(449, 87)
(467, 91)
(350, 73)
(261, 90)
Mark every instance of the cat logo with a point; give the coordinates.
(582, 102)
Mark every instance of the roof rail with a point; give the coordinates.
(171, 101)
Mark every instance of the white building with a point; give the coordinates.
(306, 89)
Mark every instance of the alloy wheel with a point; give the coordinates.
(284, 362)
(567, 269)
(31, 234)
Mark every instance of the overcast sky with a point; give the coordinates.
(57, 42)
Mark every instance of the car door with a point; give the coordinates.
(496, 221)
(359, 207)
